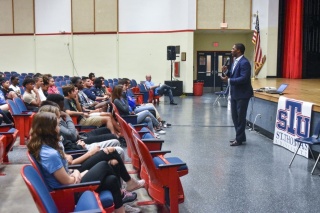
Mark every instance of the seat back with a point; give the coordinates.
(316, 133)
(106, 83)
(131, 150)
(14, 109)
(60, 90)
(133, 83)
(145, 157)
(39, 192)
(37, 167)
(22, 107)
(2, 148)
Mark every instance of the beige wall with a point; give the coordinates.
(204, 42)
(140, 54)
(110, 55)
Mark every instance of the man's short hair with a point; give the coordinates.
(36, 78)
(37, 75)
(27, 81)
(56, 98)
(240, 47)
(67, 89)
(84, 78)
(123, 81)
(13, 77)
(91, 74)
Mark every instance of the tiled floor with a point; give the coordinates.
(249, 178)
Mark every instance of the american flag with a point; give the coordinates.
(258, 59)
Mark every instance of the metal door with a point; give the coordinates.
(209, 67)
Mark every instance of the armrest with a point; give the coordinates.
(76, 151)
(153, 140)
(23, 114)
(74, 166)
(158, 152)
(144, 132)
(86, 186)
(172, 165)
(89, 211)
(140, 125)
(130, 118)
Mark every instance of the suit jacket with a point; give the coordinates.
(240, 80)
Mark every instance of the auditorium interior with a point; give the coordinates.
(183, 44)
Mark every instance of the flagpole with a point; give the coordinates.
(254, 52)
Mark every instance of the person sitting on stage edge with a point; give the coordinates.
(160, 89)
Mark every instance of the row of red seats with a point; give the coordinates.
(162, 174)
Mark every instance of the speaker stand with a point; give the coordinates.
(171, 70)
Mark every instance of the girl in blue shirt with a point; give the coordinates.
(44, 146)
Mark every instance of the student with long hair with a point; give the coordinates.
(45, 147)
(123, 107)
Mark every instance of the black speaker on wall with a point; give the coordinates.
(171, 52)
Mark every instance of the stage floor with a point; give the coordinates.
(299, 89)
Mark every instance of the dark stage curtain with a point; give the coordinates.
(292, 51)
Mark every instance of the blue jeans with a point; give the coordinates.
(165, 90)
(146, 116)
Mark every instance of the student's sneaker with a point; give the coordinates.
(130, 209)
(156, 135)
(161, 132)
(134, 184)
(129, 196)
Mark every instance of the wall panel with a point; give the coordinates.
(238, 14)
(106, 15)
(6, 17)
(23, 16)
(83, 15)
(210, 14)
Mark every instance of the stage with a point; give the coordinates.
(299, 89)
(263, 106)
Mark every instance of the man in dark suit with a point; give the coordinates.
(239, 81)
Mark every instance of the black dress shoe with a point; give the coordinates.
(173, 103)
(236, 143)
(232, 140)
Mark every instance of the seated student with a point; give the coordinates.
(31, 95)
(68, 144)
(73, 107)
(3, 103)
(160, 89)
(45, 87)
(147, 106)
(86, 103)
(124, 109)
(69, 131)
(6, 90)
(97, 89)
(38, 85)
(52, 87)
(44, 146)
(104, 86)
(87, 84)
(15, 85)
(92, 76)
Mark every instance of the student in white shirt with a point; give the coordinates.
(15, 85)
